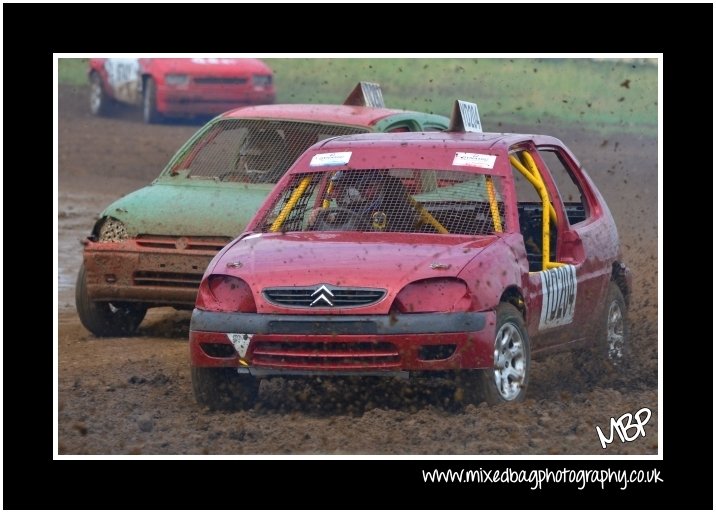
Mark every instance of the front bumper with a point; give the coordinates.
(210, 100)
(266, 344)
(161, 275)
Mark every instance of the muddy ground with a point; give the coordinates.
(133, 395)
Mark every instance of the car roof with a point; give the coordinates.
(476, 140)
(340, 114)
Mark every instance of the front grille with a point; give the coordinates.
(337, 297)
(326, 355)
(220, 80)
(183, 243)
(166, 279)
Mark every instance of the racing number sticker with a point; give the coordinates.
(559, 295)
(470, 116)
(123, 77)
(240, 342)
(121, 71)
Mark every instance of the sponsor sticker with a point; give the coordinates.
(559, 295)
(339, 158)
(240, 342)
(474, 160)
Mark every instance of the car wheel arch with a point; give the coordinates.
(514, 296)
(620, 276)
(144, 77)
(150, 110)
(507, 379)
(95, 72)
(493, 277)
(98, 226)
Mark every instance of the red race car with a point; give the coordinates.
(179, 87)
(456, 253)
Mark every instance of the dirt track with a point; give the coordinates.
(133, 395)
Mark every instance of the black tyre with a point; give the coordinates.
(610, 352)
(106, 319)
(223, 388)
(614, 337)
(100, 104)
(507, 380)
(149, 102)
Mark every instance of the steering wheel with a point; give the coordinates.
(336, 218)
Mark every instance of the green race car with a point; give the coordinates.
(151, 247)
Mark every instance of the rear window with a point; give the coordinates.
(253, 151)
(395, 200)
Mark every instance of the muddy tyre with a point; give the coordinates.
(106, 319)
(506, 381)
(609, 354)
(149, 103)
(99, 102)
(614, 337)
(223, 388)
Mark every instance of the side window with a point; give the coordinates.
(575, 204)
(216, 156)
(525, 191)
(403, 125)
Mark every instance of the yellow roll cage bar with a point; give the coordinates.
(532, 175)
(427, 217)
(494, 209)
(286, 210)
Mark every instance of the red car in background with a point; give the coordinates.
(179, 87)
(409, 254)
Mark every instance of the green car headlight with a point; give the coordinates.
(112, 230)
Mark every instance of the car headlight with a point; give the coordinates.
(262, 80)
(223, 293)
(434, 295)
(176, 80)
(112, 230)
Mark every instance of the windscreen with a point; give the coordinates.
(395, 200)
(253, 150)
